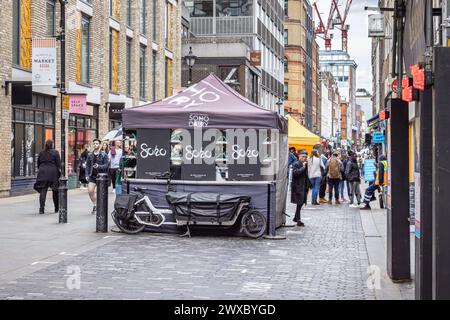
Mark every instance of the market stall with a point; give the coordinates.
(300, 137)
(212, 140)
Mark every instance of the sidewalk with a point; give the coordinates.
(29, 241)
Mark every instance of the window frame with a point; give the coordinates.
(87, 20)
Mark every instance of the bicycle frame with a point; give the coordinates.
(153, 211)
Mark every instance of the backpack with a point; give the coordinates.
(334, 169)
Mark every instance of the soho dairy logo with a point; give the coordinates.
(147, 151)
(239, 153)
(192, 153)
(198, 120)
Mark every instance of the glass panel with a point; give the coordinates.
(49, 134)
(80, 122)
(72, 121)
(29, 148)
(29, 115)
(39, 117)
(18, 150)
(201, 8)
(71, 154)
(142, 71)
(226, 8)
(50, 17)
(143, 17)
(94, 124)
(85, 49)
(19, 115)
(88, 122)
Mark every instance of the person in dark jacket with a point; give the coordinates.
(49, 166)
(82, 166)
(299, 186)
(97, 162)
(354, 179)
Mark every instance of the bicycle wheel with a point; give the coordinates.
(129, 226)
(253, 224)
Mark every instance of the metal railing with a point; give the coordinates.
(222, 25)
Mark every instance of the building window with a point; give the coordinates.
(85, 48)
(128, 66)
(110, 58)
(286, 7)
(111, 8)
(285, 37)
(16, 32)
(154, 20)
(154, 76)
(168, 25)
(32, 125)
(50, 17)
(143, 17)
(168, 73)
(286, 92)
(286, 66)
(142, 72)
(200, 8)
(184, 32)
(129, 12)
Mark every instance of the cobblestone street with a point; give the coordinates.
(327, 259)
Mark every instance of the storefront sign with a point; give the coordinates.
(418, 74)
(378, 137)
(255, 58)
(115, 111)
(77, 103)
(198, 157)
(369, 170)
(44, 61)
(376, 25)
(244, 159)
(153, 153)
(65, 108)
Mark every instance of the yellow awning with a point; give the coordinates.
(298, 135)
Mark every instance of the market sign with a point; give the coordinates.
(77, 103)
(43, 61)
(255, 58)
(378, 137)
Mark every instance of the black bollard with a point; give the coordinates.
(102, 203)
(62, 194)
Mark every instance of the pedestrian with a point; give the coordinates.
(97, 162)
(354, 180)
(314, 175)
(82, 166)
(343, 181)
(323, 183)
(105, 147)
(49, 171)
(334, 173)
(114, 156)
(292, 156)
(379, 183)
(299, 186)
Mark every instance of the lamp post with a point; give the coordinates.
(190, 61)
(279, 103)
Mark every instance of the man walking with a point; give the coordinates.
(323, 183)
(379, 183)
(96, 162)
(353, 179)
(334, 172)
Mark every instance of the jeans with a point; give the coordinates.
(370, 192)
(315, 182)
(341, 188)
(354, 189)
(323, 187)
(334, 184)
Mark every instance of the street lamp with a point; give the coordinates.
(279, 103)
(190, 61)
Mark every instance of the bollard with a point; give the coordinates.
(62, 194)
(102, 203)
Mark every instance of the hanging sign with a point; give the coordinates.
(43, 61)
(378, 137)
(418, 77)
(77, 103)
(255, 58)
(369, 170)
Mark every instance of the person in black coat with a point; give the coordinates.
(299, 186)
(49, 165)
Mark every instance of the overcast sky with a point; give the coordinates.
(359, 45)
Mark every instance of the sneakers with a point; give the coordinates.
(300, 224)
(94, 210)
(323, 200)
(366, 207)
(41, 210)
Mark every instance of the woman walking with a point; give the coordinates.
(49, 164)
(299, 188)
(314, 175)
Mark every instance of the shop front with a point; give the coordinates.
(83, 128)
(33, 122)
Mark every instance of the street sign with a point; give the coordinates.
(65, 114)
(378, 137)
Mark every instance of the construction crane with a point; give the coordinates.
(335, 19)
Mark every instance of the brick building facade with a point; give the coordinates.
(119, 53)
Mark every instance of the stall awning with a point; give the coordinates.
(209, 104)
(298, 135)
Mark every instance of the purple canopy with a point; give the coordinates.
(210, 104)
